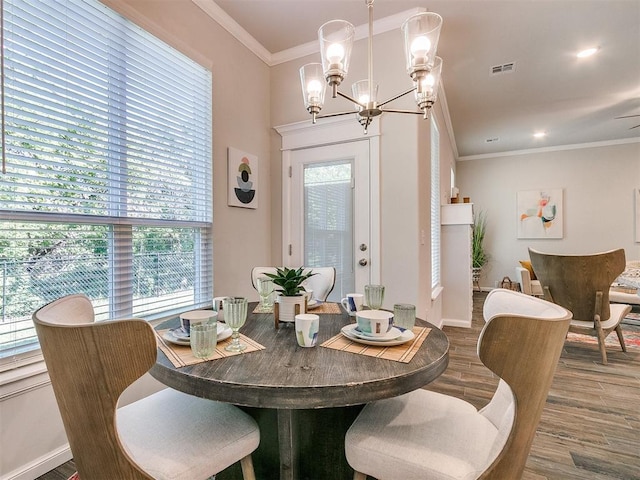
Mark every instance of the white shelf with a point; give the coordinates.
(456, 214)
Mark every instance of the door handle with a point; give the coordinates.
(363, 262)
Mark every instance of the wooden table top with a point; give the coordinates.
(287, 376)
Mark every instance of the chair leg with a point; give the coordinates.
(359, 476)
(601, 345)
(621, 338)
(247, 468)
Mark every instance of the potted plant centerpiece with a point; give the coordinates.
(288, 283)
(479, 257)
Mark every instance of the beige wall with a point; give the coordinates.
(598, 185)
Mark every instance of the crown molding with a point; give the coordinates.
(211, 8)
(557, 148)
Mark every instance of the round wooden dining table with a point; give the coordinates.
(304, 399)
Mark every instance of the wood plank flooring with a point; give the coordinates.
(590, 427)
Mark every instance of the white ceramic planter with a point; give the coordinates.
(287, 307)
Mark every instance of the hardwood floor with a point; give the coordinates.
(590, 427)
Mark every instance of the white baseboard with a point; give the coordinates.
(456, 322)
(41, 465)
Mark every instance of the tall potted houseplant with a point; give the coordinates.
(479, 257)
(288, 283)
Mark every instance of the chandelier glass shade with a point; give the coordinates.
(421, 33)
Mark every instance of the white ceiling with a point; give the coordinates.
(574, 100)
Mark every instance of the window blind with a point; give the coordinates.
(328, 224)
(107, 191)
(435, 204)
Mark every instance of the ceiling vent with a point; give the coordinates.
(504, 68)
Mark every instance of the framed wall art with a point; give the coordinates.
(243, 179)
(540, 213)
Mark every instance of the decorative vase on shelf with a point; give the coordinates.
(290, 300)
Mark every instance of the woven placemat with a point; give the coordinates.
(399, 353)
(181, 356)
(324, 308)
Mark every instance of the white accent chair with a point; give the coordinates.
(167, 435)
(528, 286)
(582, 283)
(321, 283)
(427, 435)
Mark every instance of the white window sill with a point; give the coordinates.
(23, 376)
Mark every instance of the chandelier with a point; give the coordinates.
(421, 33)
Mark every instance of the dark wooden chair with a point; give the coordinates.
(581, 283)
(167, 435)
(427, 435)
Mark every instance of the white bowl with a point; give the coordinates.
(197, 316)
(374, 323)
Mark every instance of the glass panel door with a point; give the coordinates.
(328, 221)
(330, 213)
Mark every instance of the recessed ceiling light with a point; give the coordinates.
(539, 134)
(587, 53)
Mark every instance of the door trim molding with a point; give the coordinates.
(299, 135)
(326, 132)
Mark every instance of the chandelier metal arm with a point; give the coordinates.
(343, 95)
(397, 96)
(338, 114)
(393, 110)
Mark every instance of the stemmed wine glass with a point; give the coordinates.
(235, 314)
(265, 290)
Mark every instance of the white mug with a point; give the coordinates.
(217, 306)
(353, 303)
(307, 326)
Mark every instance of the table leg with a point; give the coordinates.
(287, 441)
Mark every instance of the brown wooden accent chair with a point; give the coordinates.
(427, 435)
(167, 435)
(581, 283)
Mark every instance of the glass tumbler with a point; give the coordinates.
(203, 339)
(374, 296)
(404, 315)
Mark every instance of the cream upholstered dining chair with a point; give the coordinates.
(321, 283)
(581, 283)
(167, 435)
(427, 435)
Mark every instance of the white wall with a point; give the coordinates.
(598, 185)
(32, 440)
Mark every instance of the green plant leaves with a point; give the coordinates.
(289, 280)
